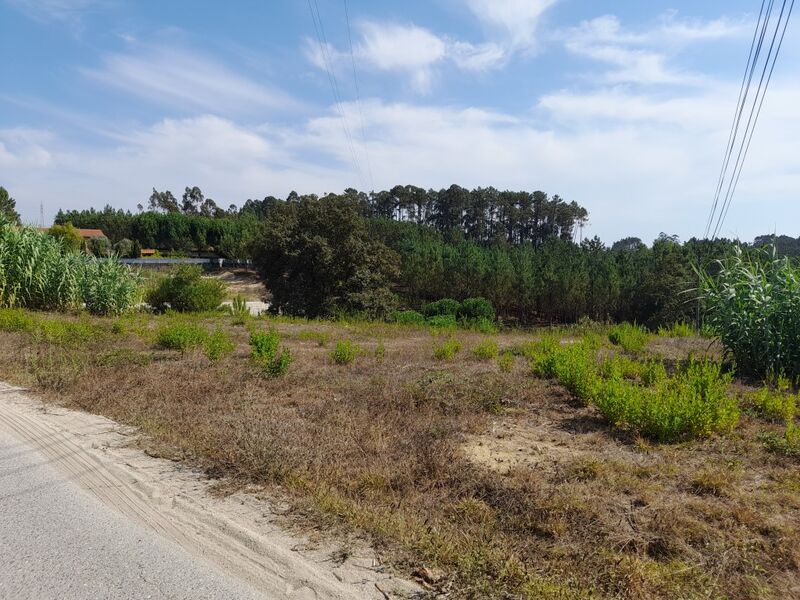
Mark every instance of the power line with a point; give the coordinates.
(755, 111)
(734, 123)
(319, 30)
(735, 180)
(358, 95)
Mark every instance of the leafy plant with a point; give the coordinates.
(632, 338)
(218, 345)
(753, 305)
(443, 307)
(447, 349)
(186, 291)
(180, 335)
(345, 352)
(443, 322)
(505, 362)
(486, 350)
(476, 309)
(380, 352)
(407, 317)
(239, 310)
(676, 330)
(264, 352)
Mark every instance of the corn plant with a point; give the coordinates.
(753, 306)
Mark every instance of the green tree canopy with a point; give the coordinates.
(317, 258)
(70, 237)
(8, 207)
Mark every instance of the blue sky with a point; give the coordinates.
(621, 106)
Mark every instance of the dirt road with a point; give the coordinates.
(85, 515)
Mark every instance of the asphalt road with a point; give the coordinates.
(59, 542)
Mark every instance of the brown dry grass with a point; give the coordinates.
(388, 449)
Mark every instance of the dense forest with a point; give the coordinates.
(408, 246)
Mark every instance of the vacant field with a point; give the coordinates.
(444, 449)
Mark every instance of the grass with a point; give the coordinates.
(181, 336)
(676, 330)
(447, 349)
(631, 338)
(486, 350)
(345, 352)
(390, 450)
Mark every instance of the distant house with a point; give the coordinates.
(86, 234)
(149, 252)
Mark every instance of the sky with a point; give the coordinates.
(624, 107)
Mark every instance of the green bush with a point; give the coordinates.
(632, 338)
(446, 350)
(264, 353)
(476, 309)
(180, 335)
(218, 345)
(345, 352)
(692, 403)
(486, 350)
(752, 305)
(444, 307)
(407, 317)
(442, 322)
(187, 291)
(108, 287)
(776, 404)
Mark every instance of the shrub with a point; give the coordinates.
(632, 338)
(180, 336)
(446, 350)
(443, 322)
(486, 350)
(476, 309)
(264, 352)
(752, 305)
(187, 291)
(218, 345)
(444, 307)
(692, 403)
(124, 248)
(345, 352)
(505, 362)
(774, 403)
(407, 317)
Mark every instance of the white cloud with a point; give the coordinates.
(642, 57)
(518, 19)
(68, 12)
(183, 78)
(641, 164)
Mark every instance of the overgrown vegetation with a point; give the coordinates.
(186, 290)
(37, 271)
(753, 305)
(266, 355)
(345, 352)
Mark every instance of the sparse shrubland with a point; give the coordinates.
(630, 338)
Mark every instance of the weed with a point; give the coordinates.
(486, 350)
(446, 350)
(407, 317)
(505, 361)
(345, 352)
(264, 352)
(239, 310)
(180, 336)
(788, 444)
(311, 335)
(631, 338)
(676, 330)
(16, 319)
(380, 352)
(218, 345)
(774, 404)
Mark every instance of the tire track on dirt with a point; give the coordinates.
(186, 518)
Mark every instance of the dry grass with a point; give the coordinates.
(406, 451)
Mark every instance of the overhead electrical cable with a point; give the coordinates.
(358, 96)
(327, 61)
(731, 135)
(755, 110)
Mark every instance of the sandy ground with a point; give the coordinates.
(238, 534)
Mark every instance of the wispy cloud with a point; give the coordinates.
(69, 12)
(517, 20)
(186, 78)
